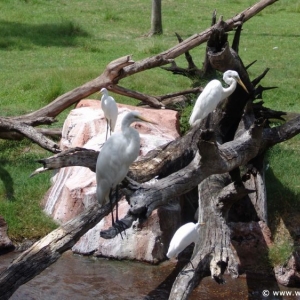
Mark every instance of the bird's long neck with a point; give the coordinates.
(133, 142)
(128, 131)
(228, 91)
(125, 125)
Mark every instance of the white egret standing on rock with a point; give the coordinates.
(110, 109)
(213, 93)
(115, 158)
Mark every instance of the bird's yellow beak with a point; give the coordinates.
(146, 120)
(240, 82)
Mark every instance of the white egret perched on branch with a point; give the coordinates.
(110, 109)
(183, 237)
(213, 93)
(115, 158)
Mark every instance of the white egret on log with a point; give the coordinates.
(115, 158)
(183, 237)
(110, 109)
(213, 93)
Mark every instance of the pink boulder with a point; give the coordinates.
(74, 188)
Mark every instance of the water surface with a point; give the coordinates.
(81, 278)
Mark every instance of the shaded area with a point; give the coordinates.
(283, 204)
(250, 244)
(8, 183)
(25, 36)
(284, 223)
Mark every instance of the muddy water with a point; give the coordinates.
(82, 278)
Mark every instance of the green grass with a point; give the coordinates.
(20, 196)
(50, 47)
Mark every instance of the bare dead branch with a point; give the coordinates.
(150, 100)
(29, 132)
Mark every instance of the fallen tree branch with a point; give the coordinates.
(30, 133)
(150, 100)
(71, 157)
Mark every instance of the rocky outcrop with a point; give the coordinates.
(289, 275)
(6, 244)
(74, 188)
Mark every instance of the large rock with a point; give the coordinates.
(74, 187)
(6, 244)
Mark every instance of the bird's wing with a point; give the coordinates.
(210, 97)
(206, 102)
(111, 163)
(112, 112)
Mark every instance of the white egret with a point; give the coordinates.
(183, 237)
(213, 93)
(116, 156)
(110, 109)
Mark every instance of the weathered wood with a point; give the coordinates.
(71, 157)
(54, 133)
(152, 101)
(213, 159)
(213, 252)
(30, 133)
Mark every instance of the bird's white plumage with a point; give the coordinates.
(183, 237)
(212, 94)
(116, 156)
(110, 108)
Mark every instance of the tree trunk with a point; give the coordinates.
(156, 18)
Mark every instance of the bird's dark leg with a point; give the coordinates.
(110, 128)
(119, 224)
(106, 129)
(117, 203)
(113, 223)
(111, 206)
(116, 224)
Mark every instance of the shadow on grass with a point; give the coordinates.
(283, 205)
(15, 35)
(8, 183)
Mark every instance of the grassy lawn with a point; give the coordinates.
(50, 47)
